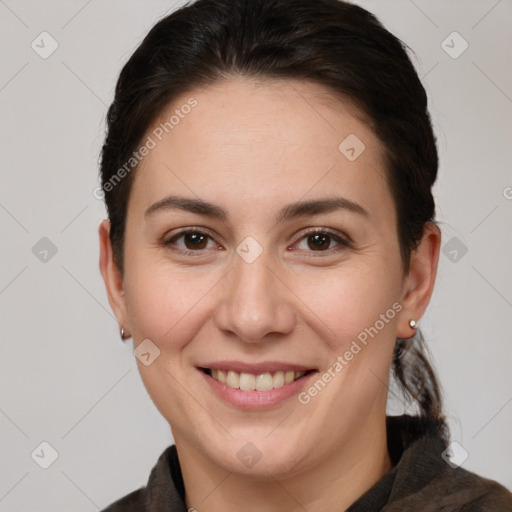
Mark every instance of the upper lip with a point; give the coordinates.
(255, 368)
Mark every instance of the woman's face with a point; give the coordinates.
(293, 264)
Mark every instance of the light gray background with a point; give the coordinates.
(65, 376)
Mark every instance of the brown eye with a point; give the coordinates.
(195, 240)
(319, 241)
(189, 241)
(322, 241)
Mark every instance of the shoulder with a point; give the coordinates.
(425, 480)
(133, 502)
(164, 491)
(456, 489)
(469, 492)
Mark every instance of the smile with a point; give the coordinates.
(251, 382)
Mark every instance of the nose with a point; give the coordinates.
(256, 302)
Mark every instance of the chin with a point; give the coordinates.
(258, 457)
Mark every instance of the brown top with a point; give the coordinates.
(420, 481)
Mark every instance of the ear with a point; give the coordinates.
(112, 275)
(419, 283)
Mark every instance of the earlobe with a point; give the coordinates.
(112, 277)
(419, 285)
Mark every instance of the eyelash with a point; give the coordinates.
(343, 242)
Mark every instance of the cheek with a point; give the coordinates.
(352, 298)
(164, 303)
(167, 305)
(164, 306)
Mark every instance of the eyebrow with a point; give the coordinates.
(290, 211)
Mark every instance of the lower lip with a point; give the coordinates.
(256, 399)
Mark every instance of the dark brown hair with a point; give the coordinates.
(330, 42)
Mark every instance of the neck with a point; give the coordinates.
(334, 484)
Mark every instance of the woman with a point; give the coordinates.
(270, 248)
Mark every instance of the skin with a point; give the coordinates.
(252, 148)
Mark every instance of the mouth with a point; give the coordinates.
(256, 382)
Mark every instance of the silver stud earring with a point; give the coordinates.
(121, 333)
(413, 324)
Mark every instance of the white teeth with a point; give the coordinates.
(278, 380)
(247, 382)
(264, 382)
(233, 379)
(251, 382)
(288, 377)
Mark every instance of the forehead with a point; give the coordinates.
(261, 139)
